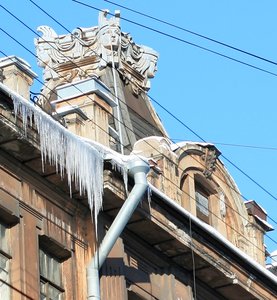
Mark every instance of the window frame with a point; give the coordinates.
(206, 188)
(5, 255)
(204, 193)
(47, 281)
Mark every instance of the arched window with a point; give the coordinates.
(199, 195)
(205, 190)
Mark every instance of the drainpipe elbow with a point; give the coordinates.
(138, 169)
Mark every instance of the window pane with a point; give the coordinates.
(3, 263)
(42, 263)
(50, 270)
(3, 238)
(56, 272)
(43, 290)
(54, 293)
(4, 276)
(202, 203)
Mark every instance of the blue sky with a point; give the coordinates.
(223, 101)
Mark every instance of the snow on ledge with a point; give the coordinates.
(215, 234)
(81, 158)
(264, 223)
(71, 154)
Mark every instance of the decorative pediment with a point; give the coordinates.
(88, 51)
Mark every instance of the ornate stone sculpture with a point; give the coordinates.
(209, 159)
(109, 39)
(87, 51)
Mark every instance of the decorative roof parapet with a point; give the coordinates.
(87, 51)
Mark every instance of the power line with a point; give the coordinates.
(156, 102)
(183, 41)
(181, 122)
(227, 159)
(162, 107)
(28, 27)
(235, 145)
(168, 112)
(193, 33)
(212, 213)
(158, 31)
(91, 120)
(239, 169)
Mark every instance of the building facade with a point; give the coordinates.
(97, 203)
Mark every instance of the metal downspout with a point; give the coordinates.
(138, 168)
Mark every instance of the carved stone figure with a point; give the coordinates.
(86, 51)
(109, 38)
(147, 65)
(46, 48)
(210, 158)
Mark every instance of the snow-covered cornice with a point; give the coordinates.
(81, 160)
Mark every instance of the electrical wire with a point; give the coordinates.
(212, 213)
(193, 33)
(182, 40)
(226, 224)
(175, 140)
(182, 123)
(195, 285)
(167, 110)
(235, 166)
(227, 159)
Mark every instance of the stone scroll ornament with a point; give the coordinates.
(91, 50)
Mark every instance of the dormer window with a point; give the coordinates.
(204, 196)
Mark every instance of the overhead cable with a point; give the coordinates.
(182, 40)
(193, 33)
(181, 122)
(24, 47)
(249, 177)
(175, 140)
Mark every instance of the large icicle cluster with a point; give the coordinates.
(118, 161)
(82, 162)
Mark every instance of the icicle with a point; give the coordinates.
(122, 169)
(125, 179)
(68, 152)
(117, 160)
